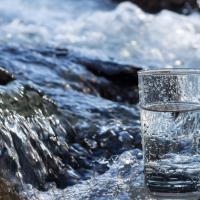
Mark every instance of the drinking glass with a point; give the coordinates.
(170, 124)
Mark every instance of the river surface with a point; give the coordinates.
(70, 125)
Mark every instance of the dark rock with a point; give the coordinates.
(8, 191)
(62, 138)
(35, 138)
(154, 6)
(120, 77)
(110, 80)
(5, 77)
(119, 73)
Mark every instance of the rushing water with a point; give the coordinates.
(71, 110)
(133, 36)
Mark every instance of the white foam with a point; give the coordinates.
(123, 33)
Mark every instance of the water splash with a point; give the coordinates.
(144, 39)
(124, 180)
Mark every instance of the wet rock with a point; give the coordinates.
(119, 73)
(61, 137)
(79, 73)
(57, 119)
(120, 77)
(5, 76)
(8, 191)
(154, 6)
(35, 138)
(124, 180)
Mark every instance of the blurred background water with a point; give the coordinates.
(70, 124)
(104, 29)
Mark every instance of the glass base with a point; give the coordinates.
(173, 196)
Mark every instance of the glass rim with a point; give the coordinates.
(169, 71)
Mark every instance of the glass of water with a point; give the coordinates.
(170, 122)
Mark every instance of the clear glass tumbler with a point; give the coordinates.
(170, 122)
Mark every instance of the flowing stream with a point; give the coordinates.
(69, 119)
